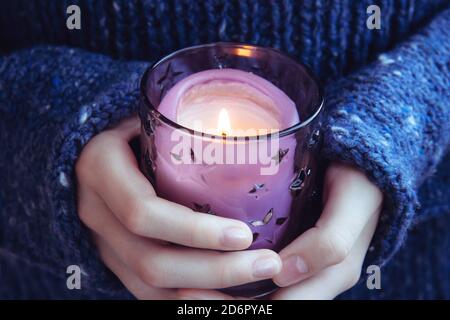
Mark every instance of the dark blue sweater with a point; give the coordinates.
(387, 112)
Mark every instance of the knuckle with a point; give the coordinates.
(149, 276)
(353, 277)
(148, 271)
(228, 275)
(224, 275)
(235, 270)
(94, 150)
(192, 233)
(89, 158)
(84, 214)
(81, 166)
(200, 234)
(133, 219)
(335, 247)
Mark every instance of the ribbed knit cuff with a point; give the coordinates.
(392, 121)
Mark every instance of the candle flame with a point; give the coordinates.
(244, 51)
(223, 124)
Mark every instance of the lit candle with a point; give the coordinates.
(207, 95)
(228, 103)
(238, 100)
(223, 123)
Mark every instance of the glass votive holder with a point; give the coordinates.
(278, 198)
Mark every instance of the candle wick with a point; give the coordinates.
(224, 135)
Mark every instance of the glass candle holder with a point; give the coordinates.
(277, 206)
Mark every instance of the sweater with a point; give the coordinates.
(386, 112)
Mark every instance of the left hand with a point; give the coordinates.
(327, 259)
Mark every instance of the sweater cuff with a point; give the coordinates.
(106, 110)
(54, 100)
(391, 120)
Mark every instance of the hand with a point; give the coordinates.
(326, 260)
(136, 231)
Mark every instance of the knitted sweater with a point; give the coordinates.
(387, 113)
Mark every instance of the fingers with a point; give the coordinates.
(128, 128)
(324, 285)
(351, 193)
(165, 220)
(173, 267)
(169, 266)
(135, 285)
(109, 168)
(336, 279)
(351, 201)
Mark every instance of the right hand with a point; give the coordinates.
(136, 232)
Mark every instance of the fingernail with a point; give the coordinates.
(266, 268)
(294, 267)
(235, 238)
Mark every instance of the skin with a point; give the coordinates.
(155, 247)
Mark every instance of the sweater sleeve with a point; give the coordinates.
(52, 101)
(392, 120)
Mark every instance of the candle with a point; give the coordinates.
(210, 122)
(232, 98)
(228, 102)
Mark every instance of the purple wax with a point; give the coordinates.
(229, 189)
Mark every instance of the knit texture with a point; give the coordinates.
(391, 119)
(328, 35)
(418, 271)
(73, 96)
(380, 118)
